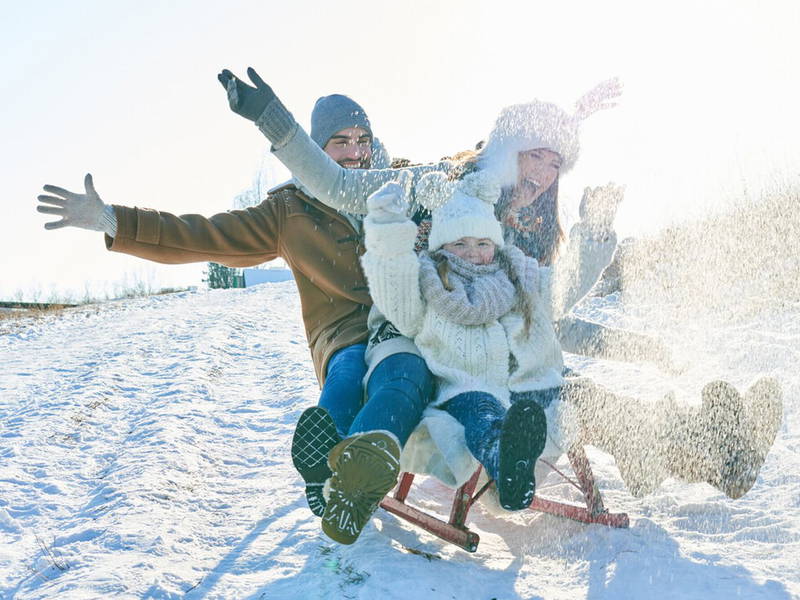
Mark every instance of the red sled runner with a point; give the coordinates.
(455, 530)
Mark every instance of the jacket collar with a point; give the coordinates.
(380, 160)
(301, 192)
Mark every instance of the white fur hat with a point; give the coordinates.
(541, 124)
(527, 127)
(464, 208)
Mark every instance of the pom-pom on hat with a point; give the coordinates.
(463, 209)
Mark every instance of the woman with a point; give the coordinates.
(723, 443)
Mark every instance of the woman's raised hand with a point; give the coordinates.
(249, 101)
(76, 210)
(598, 98)
(598, 206)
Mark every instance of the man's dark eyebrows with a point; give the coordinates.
(340, 137)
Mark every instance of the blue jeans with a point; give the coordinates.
(399, 389)
(342, 393)
(543, 398)
(482, 415)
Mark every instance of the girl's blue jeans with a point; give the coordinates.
(482, 416)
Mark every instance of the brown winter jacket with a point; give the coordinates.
(320, 245)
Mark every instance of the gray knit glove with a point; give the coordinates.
(599, 207)
(258, 104)
(388, 204)
(86, 211)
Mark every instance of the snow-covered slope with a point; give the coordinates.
(144, 453)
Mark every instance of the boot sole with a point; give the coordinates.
(522, 440)
(365, 470)
(314, 437)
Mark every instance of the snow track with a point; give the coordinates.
(144, 453)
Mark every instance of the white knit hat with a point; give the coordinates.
(527, 127)
(467, 212)
(540, 124)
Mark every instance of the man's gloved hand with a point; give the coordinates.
(244, 99)
(260, 105)
(599, 206)
(388, 204)
(76, 210)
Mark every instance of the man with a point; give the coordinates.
(322, 247)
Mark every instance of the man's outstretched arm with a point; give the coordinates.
(86, 210)
(235, 238)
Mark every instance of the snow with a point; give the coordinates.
(144, 453)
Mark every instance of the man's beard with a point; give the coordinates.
(363, 163)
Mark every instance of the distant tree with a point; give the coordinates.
(222, 277)
(269, 174)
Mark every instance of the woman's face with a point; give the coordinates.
(537, 170)
(478, 251)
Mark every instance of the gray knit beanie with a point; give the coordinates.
(334, 113)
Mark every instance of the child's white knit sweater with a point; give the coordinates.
(463, 358)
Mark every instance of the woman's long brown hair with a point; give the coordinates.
(540, 234)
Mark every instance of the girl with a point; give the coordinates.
(480, 313)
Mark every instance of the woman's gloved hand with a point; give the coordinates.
(598, 98)
(598, 207)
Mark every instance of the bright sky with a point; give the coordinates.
(128, 91)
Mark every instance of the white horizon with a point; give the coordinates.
(129, 93)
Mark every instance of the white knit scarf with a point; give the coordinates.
(481, 293)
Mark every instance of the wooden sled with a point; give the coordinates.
(455, 530)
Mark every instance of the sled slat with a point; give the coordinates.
(406, 480)
(456, 532)
(463, 501)
(583, 471)
(578, 513)
(463, 538)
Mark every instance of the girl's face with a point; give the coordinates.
(537, 170)
(478, 251)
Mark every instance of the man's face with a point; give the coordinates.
(351, 148)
